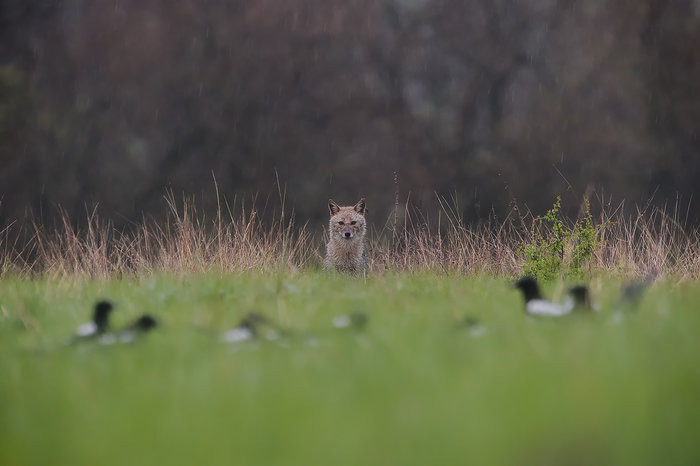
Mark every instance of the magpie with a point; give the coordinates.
(630, 296)
(535, 304)
(632, 292)
(579, 299)
(99, 324)
(249, 328)
(144, 324)
(356, 320)
(473, 326)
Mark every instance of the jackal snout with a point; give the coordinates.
(347, 231)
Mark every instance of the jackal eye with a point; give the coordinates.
(341, 223)
(353, 222)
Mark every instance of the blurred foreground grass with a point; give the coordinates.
(413, 389)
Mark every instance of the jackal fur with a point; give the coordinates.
(345, 251)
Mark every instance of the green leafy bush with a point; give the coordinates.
(555, 249)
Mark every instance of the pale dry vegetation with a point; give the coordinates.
(237, 239)
(647, 241)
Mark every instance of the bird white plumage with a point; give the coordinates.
(542, 307)
(578, 299)
(87, 329)
(237, 335)
(97, 326)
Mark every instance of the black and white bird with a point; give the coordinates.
(250, 328)
(144, 324)
(472, 325)
(579, 299)
(632, 292)
(536, 305)
(356, 320)
(631, 296)
(99, 324)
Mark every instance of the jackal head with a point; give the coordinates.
(347, 223)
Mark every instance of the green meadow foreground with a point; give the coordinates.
(416, 387)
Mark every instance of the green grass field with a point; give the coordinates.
(415, 388)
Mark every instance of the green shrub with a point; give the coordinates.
(555, 249)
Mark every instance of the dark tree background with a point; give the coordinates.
(111, 102)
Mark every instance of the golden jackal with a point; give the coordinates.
(346, 249)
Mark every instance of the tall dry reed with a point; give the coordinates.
(236, 239)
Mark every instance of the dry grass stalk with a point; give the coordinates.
(237, 240)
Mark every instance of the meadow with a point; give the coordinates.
(416, 386)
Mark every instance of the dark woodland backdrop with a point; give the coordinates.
(111, 102)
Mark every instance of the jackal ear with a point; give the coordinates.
(361, 207)
(333, 208)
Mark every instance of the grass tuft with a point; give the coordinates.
(239, 238)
